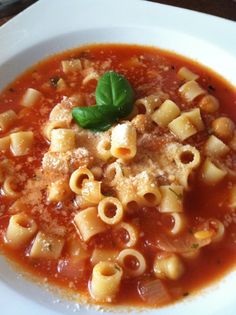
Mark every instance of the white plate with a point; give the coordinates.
(50, 26)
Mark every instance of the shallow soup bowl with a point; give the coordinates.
(52, 26)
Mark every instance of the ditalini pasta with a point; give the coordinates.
(118, 174)
(123, 142)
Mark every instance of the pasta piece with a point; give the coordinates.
(187, 157)
(20, 230)
(78, 177)
(6, 169)
(5, 144)
(62, 140)
(130, 230)
(211, 174)
(104, 149)
(101, 254)
(212, 229)
(167, 112)
(147, 189)
(171, 199)
(46, 246)
(91, 191)
(7, 119)
(140, 265)
(59, 191)
(179, 223)
(214, 147)
(123, 141)
(169, 267)
(127, 195)
(21, 142)
(88, 223)
(113, 173)
(182, 128)
(10, 187)
(149, 104)
(71, 65)
(62, 111)
(195, 118)
(187, 75)
(75, 248)
(110, 210)
(31, 97)
(91, 75)
(105, 283)
(83, 203)
(191, 90)
(51, 125)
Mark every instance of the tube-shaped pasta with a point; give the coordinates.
(149, 104)
(113, 173)
(127, 194)
(104, 149)
(5, 144)
(46, 246)
(7, 119)
(147, 189)
(78, 177)
(167, 112)
(105, 283)
(123, 141)
(20, 230)
(51, 125)
(88, 223)
(91, 191)
(212, 174)
(171, 199)
(130, 230)
(9, 187)
(91, 75)
(214, 147)
(187, 157)
(191, 90)
(170, 267)
(31, 97)
(186, 74)
(133, 254)
(182, 128)
(71, 65)
(102, 254)
(59, 190)
(194, 116)
(21, 142)
(110, 210)
(76, 248)
(62, 140)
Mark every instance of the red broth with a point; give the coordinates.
(146, 68)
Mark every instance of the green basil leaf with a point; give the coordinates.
(114, 90)
(94, 117)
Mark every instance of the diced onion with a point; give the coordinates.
(153, 292)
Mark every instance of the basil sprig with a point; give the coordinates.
(114, 98)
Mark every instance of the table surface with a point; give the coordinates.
(222, 8)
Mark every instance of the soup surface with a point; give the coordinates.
(142, 213)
